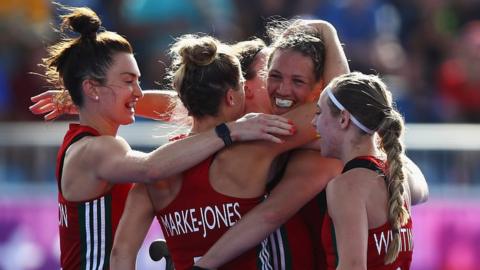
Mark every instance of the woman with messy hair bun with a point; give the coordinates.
(195, 208)
(94, 165)
(372, 229)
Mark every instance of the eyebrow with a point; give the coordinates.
(130, 73)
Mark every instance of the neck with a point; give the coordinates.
(358, 145)
(96, 121)
(205, 123)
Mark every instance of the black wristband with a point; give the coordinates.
(224, 133)
(198, 268)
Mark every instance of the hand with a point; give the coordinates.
(260, 126)
(53, 103)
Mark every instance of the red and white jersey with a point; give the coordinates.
(87, 228)
(199, 216)
(378, 238)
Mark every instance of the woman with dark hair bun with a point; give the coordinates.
(94, 165)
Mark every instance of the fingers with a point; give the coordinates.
(38, 107)
(280, 131)
(269, 137)
(45, 95)
(51, 116)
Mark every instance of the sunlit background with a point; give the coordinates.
(427, 51)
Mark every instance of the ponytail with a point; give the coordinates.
(390, 131)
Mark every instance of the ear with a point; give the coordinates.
(249, 94)
(89, 88)
(230, 97)
(344, 119)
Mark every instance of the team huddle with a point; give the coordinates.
(291, 161)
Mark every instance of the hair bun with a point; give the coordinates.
(200, 51)
(82, 20)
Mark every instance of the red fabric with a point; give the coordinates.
(199, 216)
(72, 224)
(378, 239)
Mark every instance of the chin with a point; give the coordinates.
(281, 110)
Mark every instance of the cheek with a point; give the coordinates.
(301, 94)
(271, 86)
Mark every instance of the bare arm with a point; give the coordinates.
(336, 62)
(416, 182)
(132, 229)
(111, 158)
(307, 174)
(155, 104)
(350, 220)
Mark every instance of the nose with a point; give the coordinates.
(314, 121)
(284, 89)
(137, 92)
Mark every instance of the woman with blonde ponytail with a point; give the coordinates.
(368, 225)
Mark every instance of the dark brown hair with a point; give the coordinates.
(246, 52)
(88, 56)
(291, 35)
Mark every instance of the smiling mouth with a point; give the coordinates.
(283, 103)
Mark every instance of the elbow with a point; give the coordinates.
(121, 257)
(274, 218)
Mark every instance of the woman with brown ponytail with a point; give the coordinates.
(368, 225)
(94, 165)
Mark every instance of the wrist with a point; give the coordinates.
(223, 131)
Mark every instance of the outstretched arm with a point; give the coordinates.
(132, 229)
(155, 104)
(112, 158)
(306, 175)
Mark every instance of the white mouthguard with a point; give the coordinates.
(283, 103)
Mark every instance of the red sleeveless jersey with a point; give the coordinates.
(378, 238)
(87, 228)
(199, 216)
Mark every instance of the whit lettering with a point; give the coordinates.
(383, 239)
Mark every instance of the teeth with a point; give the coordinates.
(283, 103)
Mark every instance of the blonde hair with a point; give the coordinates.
(367, 98)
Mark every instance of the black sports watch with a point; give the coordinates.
(224, 133)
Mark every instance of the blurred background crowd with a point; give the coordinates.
(428, 51)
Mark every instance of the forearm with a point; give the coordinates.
(248, 232)
(285, 200)
(336, 62)
(157, 104)
(178, 156)
(416, 181)
(132, 228)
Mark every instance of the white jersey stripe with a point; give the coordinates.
(273, 246)
(265, 256)
(87, 235)
(102, 233)
(95, 234)
(281, 247)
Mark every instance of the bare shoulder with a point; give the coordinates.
(355, 183)
(312, 162)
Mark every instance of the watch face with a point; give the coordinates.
(224, 133)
